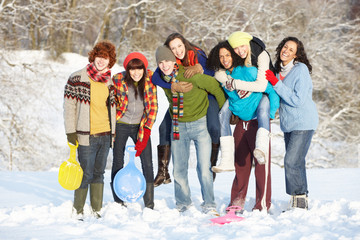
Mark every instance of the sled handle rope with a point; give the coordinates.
(73, 148)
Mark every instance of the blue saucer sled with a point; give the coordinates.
(129, 183)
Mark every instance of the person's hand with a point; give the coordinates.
(192, 70)
(229, 85)
(182, 87)
(141, 145)
(270, 76)
(221, 76)
(72, 138)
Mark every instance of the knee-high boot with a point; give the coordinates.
(227, 155)
(261, 152)
(79, 200)
(116, 198)
(96, 198)
(163, 176)
(149, 196)
(214, 156)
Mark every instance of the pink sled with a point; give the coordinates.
(229, 217)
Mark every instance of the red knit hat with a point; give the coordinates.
(134, 55)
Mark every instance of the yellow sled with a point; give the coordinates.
(70, 172)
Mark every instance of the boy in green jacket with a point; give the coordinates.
(188, 112)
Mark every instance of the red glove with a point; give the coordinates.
(141, 145)
(271, 77)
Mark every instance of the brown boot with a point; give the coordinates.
(163, 176)
(214, 156)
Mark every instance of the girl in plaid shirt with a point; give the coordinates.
(136, 112)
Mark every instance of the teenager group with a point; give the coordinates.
(236, 81)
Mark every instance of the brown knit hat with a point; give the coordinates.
(164, 53)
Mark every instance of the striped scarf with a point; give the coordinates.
(178, 102)
(94, 74)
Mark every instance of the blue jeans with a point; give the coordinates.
(224, 117)
(213, 124)
(262, 113)
(93, 159)
(123, 132)
(165, 130)
(212, 120)
(297, 144)
(180, 149)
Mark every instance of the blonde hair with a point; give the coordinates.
(248, 58)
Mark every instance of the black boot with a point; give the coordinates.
(116, 198)
(163, 176)
(214, 156)
(149, 196)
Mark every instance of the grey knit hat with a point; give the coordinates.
(164, 53)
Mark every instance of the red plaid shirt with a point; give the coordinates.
(150, 101)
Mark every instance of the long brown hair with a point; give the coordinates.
(188, 46)
(300, 53)
(136, 64)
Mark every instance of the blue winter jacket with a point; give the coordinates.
(297, 109)
(245, 108)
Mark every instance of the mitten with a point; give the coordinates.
(192, 70)
(141, 145)
(229, 84)
(182, 87)
(72, 138)
(270, 76)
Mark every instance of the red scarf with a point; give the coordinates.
(94, 74)
(191, 58)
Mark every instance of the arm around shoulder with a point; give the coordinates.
(260, 84)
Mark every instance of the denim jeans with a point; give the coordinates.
(224, 117)
(213, 124)
(123, 132)
(262, 113)
(297, 144)
(180, 149)
(93, 159)
(212, 120)
(165, 130)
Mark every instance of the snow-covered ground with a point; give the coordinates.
(34, 206)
